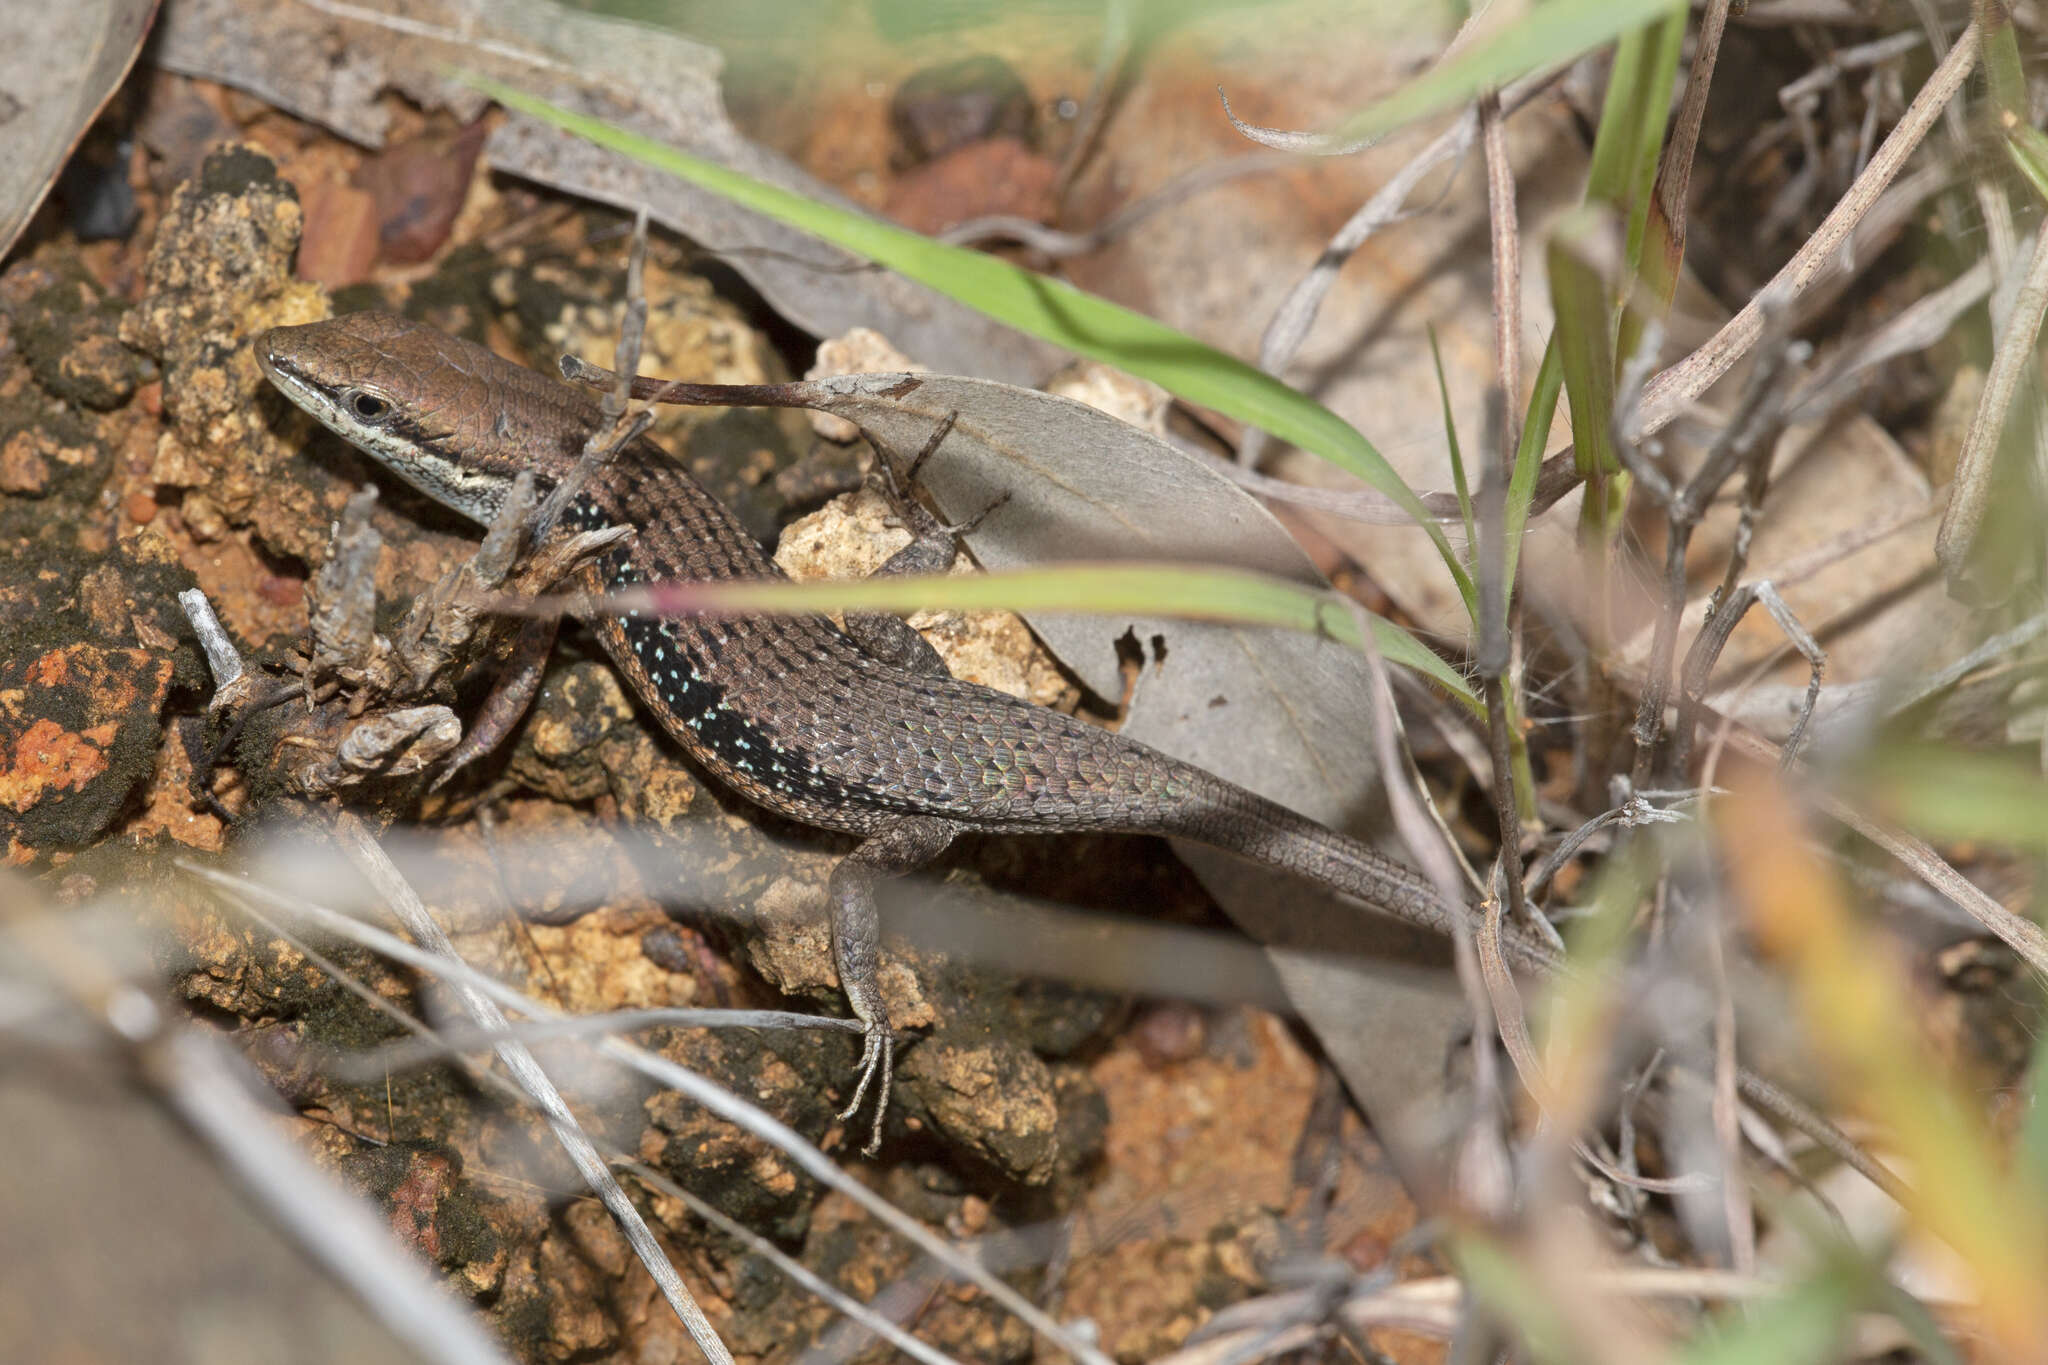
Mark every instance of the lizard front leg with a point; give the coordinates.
(903, 846)
(511, 695)
(933, 548)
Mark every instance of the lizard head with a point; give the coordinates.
(449, 417)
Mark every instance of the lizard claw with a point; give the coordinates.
(877, 1055)
(900, 489)
(962, 528)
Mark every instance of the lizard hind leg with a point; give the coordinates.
(900, 847)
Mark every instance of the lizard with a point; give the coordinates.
(856, 730)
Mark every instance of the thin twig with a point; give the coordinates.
(1970, 494)
(1671, 392)
(1913, 328)
(1061, 244)
(211, 1089)
(1713, 636)
(441, 1046)
(2023, 936)
(1483, 1174)
(222, 658)
(356, 841)
(793, 1270)
(671, 1076)
(1297, 312)
(214, 1091)
(1726, 1108)
(1674, 171)
(1747, 439)
(1496, 653)
(392, 1057)
(1119, 19)
(616, 431)
(1505, 239)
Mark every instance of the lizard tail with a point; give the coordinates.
(1226, 816)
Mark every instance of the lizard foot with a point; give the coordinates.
(877, 1059)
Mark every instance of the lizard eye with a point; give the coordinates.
(368, 406)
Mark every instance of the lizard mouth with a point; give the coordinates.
(276, 368)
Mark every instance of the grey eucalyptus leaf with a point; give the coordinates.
(59, 64)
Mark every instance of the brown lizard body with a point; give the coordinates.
(865, 736)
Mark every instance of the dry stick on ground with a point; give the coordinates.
(670, 1076)
(1729, 606)
(1671, 194)
(1747, 439)
(1484, 1175)
(362, 848)
(1673, 391)
(1713, 637)
(1726, 1109)
(1432, 1307)
(213, 1089)
(1913, 328)
(793, 1270)
(2023, 936)
(2002, 249)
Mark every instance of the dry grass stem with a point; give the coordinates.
(1671, 392)
(356, 841)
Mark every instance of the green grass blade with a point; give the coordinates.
(2030, 1151)
(1041, 306)
(2005, 78)
(1948, 793)
(1529, 458)
(2028, 147)
(1197, 592)
(1808, 1324)
(1547, 35)
(1458, 476)
(1495, 1278)
(1581, 293)
(1630, 140)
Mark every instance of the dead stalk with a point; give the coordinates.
(1496, 610)
(1674, 172)
(355, 839)
(1483, 1174)
(1970, 494)
(1671, 392)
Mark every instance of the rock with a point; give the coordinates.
(854, 535)
(990, 1096)
(943, 107)
(78, 734)
(220, 272)
(997, 177)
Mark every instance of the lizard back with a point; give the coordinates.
(789, 710)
